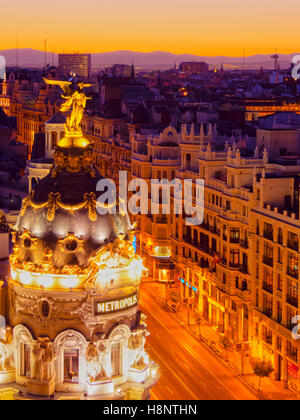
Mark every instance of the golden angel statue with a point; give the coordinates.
(75, 98)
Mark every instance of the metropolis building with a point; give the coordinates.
(72, 328)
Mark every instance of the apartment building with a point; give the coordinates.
(239, 268)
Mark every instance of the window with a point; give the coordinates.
(268, 254)
(45, 310)
(234, 257)
(71, 365)
(292, 268)
(244, 285)
(116, 359)
(280, 255)
(292, 241)
(280, 236)
(267, 305)
(292, 293)
(279, 312)
(214, 292)
(234, 235)
(292, 351)
(279, 344)
(279, 283)
(268, 280)
(53, 139)
(267, 335)
(290, 315)
(268, 231)
(25, 361)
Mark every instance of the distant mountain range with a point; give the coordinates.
(157, 59)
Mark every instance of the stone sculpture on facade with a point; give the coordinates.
(44, 357)
(6, 350)
(136, 345)
(96, 366)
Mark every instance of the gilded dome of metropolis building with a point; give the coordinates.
(71, 303)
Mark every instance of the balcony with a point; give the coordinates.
(213, 229)
(293, 245)
(243, 269)
(233, 265)
(234, 240)
(268, 288)
(268, 235)
(162, 220)
(244, 244)
(292, 300)
(268, 312)
(292, 354)
(268, 261)
(292, 272)
(268, 339)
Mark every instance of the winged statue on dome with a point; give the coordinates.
(75, 98)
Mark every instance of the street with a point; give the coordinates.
(188, 369)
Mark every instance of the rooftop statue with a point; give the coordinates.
(75, 99)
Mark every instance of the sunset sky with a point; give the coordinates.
(204, 27)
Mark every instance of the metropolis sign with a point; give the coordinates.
(115, 305)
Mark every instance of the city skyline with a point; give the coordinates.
(212, 29)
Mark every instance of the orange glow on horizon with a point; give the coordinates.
(212, 28)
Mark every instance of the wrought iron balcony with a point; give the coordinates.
(268, 235)
(268, 261)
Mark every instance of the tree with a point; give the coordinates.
(226, 343)
(261, 368)
(175, 299)
(198, 320)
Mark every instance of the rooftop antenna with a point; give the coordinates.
(52, 56)
(244, 59)
(45, 55)
(275, 58)
(17, 64)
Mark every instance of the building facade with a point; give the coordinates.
(80, 64)
(239, 268)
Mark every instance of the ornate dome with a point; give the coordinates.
(59, 223)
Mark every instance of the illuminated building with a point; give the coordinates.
(111, 151)
(193, 67)
(256, 108)
(71, 303)
(80, 64)
(32, 103)
(43, 149)
(239, 268)
(155, 157)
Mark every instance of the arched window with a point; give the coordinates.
(188, 160)
(53, 139)
(45, 309)
(116, 359)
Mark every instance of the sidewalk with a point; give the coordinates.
(236, 361)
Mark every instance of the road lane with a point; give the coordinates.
(188, 369)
